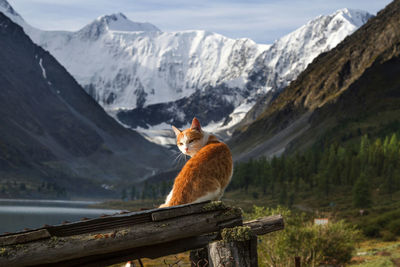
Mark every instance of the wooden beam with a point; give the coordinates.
(24, 237)
(152, 252)
(168, 213)
(265, 225)
(68, 248)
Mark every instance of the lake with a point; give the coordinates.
(17, 214)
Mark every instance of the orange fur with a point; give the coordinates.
(208, 171)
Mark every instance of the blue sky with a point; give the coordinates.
(263, 21)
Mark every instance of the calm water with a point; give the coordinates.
(17, 214)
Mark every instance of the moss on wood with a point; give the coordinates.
(238, 233)
(231, 212)
(4, 252)
(214, 205)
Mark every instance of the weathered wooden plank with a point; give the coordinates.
(152, 252)
(97, 225)
(124, 219)
(122, 237)
(191, 209)
(115, 221)
(24, 237)
(265, 225)
(58, 249)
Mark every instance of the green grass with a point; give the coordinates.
(373, 253)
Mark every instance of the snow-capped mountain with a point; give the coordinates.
(132, 69)
(149, 79)
(291, 54)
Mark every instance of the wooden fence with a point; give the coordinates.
(145, 234)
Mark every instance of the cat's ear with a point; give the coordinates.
(176, 130)
(195, 125)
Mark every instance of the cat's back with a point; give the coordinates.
(207, 173)
(213, 151)
(214, 160)
(205, 176)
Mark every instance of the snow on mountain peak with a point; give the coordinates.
(9, 11)
(356, 17)
(115, 22)
(119, 22)
(292, 53)
(7, 7)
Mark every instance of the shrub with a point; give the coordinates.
(255, 195)
(388, 236)
(388, 221)
(371, 230)
(387, 217)
(332, 244)
(394, 227)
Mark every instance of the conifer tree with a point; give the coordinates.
(123, 194)
(133, 192)
(362, 192)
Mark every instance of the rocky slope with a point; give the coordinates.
(308, 109)
(52, 131)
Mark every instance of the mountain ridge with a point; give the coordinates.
(320, 84)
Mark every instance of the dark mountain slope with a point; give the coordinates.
(49, 126)
(290, 115)
(370, 106)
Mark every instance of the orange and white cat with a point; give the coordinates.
(206, 174)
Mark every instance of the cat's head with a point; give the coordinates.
(191, 140)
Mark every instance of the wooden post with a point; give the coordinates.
(234, 253)
(297, 261)
(238, 248)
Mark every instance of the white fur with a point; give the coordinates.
(205, 138)
(216, 195)
(176, 130)
(185, 144)
(168, 199)
(184, 141)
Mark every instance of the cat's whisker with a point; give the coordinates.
(177, 159)
(183, 157)
(177, 156)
